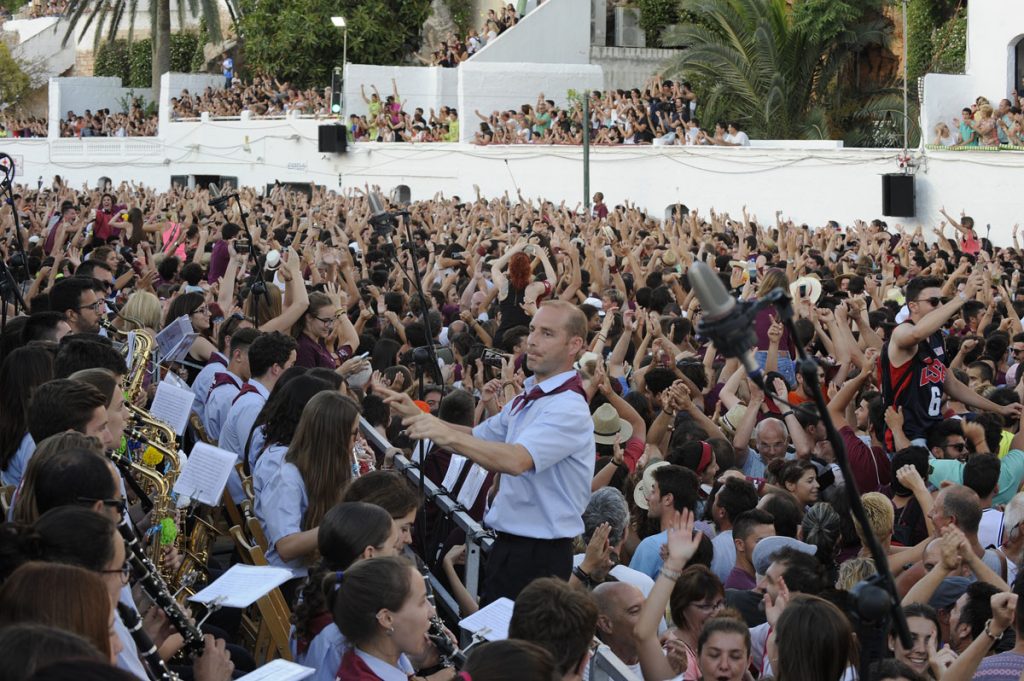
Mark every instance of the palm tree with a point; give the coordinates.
(109, 16)
(763, 66)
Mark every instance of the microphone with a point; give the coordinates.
(6, 170)
(376, 206)
(726, 322)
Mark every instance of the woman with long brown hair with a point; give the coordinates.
(62, 596)
(767, 318)
(312, 479)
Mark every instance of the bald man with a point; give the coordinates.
(618, 607)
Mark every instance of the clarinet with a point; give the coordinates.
(156, 588)
(158, 669)
(451, 656)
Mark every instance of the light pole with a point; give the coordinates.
(339, 22)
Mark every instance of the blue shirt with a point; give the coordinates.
(267, 467)
(724, 557)
(754, 466)
(647, 557)
(202, 383)
(547, 501)
(218, 404)
(19, 462)
(280, 509)
(235, 431)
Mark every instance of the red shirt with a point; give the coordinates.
(870, 466)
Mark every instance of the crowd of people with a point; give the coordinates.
(135, 123)
(644, 491)
(984, 125)
(454, 50)
(22, 126)
(264, 96)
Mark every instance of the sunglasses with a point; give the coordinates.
(934, 301)
(958, 446)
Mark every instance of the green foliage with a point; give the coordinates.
(140, 64)
(16, 5)
(198, 64)
(148, 108)
(133, 64)
(655, 15)
(14, 82)
(183, 49)
(950, 41)
(294, 39)
(112, 60)
(922, 20)
(826, 19)
(462, 14)
(772, 69)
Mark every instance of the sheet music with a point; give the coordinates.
(205, 474)
(490, 622)
(472, 486)
(455, 467)
(172, 405)
(243, 585)
(172, 334)
(279, 670)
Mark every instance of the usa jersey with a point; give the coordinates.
(916, 387)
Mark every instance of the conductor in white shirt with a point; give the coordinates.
(542, 445)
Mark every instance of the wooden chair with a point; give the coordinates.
(266, 625)
(7, 498)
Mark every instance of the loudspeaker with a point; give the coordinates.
(898, 195)
(332, 139)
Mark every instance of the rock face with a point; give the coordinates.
(436, 28)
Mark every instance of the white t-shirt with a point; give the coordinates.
(739, 138)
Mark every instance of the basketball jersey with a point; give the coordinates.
(916, 387)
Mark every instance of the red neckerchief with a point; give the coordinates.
(575, 384)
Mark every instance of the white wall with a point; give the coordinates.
(557, 32)
(807, 185)
(629, 67)
(37, 45)
(993, 28)
(195, 83)
(486, 87)
(419, 86)
(79, 94)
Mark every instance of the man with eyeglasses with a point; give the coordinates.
(77, 299)
(946, 440)
(914, 373)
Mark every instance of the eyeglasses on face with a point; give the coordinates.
(125, 571)
(119, 504)
(326, 320)
(958, 446)
(934, 301)
(95, 306)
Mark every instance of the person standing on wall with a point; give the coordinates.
(543, 444)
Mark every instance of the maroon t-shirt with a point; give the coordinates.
(870, 466)
(312, 354)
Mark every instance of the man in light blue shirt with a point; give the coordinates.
(665, 487)
(269, 356)
(542, 443)
(228, 383)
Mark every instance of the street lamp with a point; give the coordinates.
(339, 22)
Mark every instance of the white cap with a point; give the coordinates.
(596, 302)
(273, 260)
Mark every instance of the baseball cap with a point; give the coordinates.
(769, 546)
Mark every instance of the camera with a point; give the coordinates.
(242, 246)
(492, 358)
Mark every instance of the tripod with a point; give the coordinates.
(10, 291)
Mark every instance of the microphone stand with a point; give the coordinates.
(871, 593)
(257, 287)
(384, 223)
(7, 279)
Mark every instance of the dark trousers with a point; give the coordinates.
(514, 562)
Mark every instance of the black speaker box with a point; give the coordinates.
(898, 195)
(332, 139)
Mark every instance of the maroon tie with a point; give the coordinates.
(575, 383)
